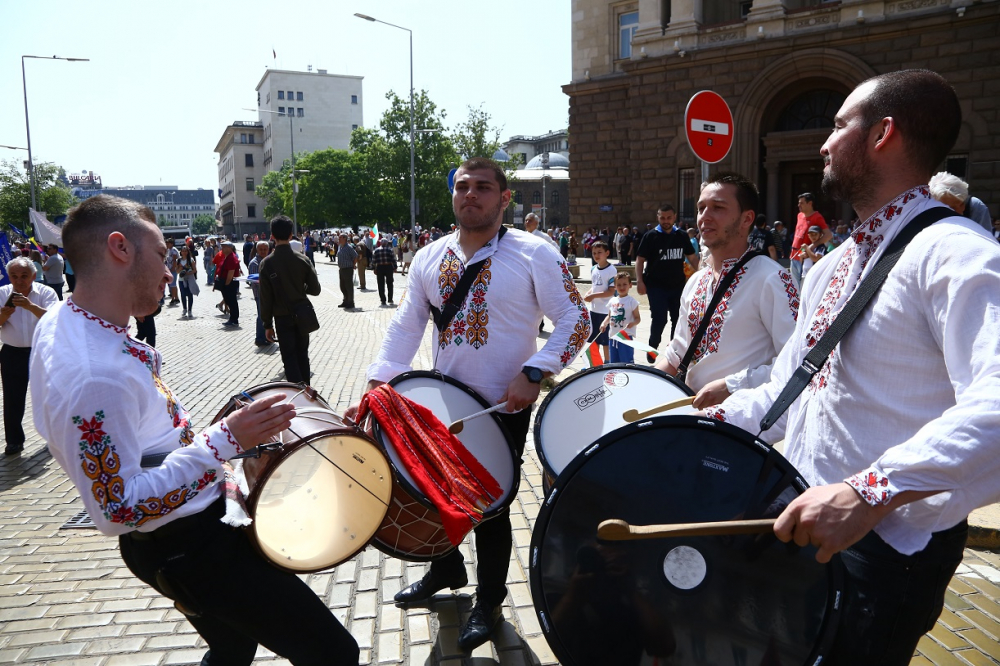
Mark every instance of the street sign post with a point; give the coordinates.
(708, 124)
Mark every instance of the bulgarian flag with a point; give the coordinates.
(593, 355)
(623, 337)
(374, 231)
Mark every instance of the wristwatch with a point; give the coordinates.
(534, 375)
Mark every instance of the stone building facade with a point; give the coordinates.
(241, 170)
(784, 67)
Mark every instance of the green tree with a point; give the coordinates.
(53, 196)
(276, 190)
(476, 137)
(203, 224)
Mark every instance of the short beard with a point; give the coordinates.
(854, 181)
(482, 222)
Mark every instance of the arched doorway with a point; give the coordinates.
(793, 129)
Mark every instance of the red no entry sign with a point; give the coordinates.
(709, 126)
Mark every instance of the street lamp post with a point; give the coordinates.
(27, 126)
(413, 176)
(295, 194)
(291, 134)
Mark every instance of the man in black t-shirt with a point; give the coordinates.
(659, 270)
(762, 240)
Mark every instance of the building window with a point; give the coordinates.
(251, 210)
(243, 138)
(268, 98)
(281, 110)
(536, 198)
(291, 95)
(555, 198)
(281, 94)
(517, 196)
(687, 194)
(957, 165)
(354, 127)
(251, 139)
(354, 99)
(249, 184)
(298, 97)
(248, 160)
(627, 24)
(301, 112)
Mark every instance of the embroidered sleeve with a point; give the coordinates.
(873, 486)
(99, 438)
(561, 302)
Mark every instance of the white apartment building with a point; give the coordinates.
(312, 110)
(241, 169)
(172, 206)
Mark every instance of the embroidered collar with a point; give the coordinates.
(485, 251)
(94, 318)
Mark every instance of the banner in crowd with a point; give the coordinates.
(5, 258)
(46, 232)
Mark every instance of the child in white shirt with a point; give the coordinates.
(623, 315)
(602, 278)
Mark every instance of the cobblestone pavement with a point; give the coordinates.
(67, 598)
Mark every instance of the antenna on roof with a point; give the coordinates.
(309, 68)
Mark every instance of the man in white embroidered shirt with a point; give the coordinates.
(101, 405)
(896, 434)
(523, 278)
(756, 313)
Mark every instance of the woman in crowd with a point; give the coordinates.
(187, 279)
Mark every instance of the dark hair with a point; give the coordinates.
(924, 107)
(666, 208)
(747, 195)
(484, 164)
(623, 274)
(89, 224)
(281, 227)
(808, 196)
(600, 244)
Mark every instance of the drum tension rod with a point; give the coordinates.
(256, 451)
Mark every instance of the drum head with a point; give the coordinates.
(725, 600)
(590, 404)
(321, 503)
(485, 437)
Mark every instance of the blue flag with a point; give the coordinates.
(5, 258)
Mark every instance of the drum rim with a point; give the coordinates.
(834, 568)
(266, 386)
(537, 428)
(415, 492)
(286, 451)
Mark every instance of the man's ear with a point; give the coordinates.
(883, 132)
(119, 248)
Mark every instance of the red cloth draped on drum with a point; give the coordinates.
(458, 486)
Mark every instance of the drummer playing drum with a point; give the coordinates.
(489, 345)
(756, 314)
(897, 432)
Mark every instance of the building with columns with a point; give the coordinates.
(784, 67)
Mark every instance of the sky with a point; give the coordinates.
(166, 78)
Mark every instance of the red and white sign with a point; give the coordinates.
(708, 124)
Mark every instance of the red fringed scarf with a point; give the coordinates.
(458, 486)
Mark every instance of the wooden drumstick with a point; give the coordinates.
(458, 425)
(633, 415)
(619, 530)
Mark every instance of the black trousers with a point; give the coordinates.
(891, 600)
(14, 375)
(58, 288)
(493, 537)
(663, 302)
(294, 347)
(384, 284)
(239, 600)
(146, 330)
(229, 295)
(347, 286)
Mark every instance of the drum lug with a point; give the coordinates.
(256, 451)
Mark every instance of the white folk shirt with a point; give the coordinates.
(101, 405)
(494, 333)
(19, 329)
(910, 398)
(751, 324)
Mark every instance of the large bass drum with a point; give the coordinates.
(592, 403)
(725, 600)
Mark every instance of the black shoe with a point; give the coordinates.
(427, 587)
(13, 450)
(348, 306)
(482, 623)
(650, 358)
(230, 323)
(342, 305)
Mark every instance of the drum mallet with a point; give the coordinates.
(458, 425)
(633, 415)
(615, 529)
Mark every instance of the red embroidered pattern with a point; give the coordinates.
(866, 242)
(101, 465)
(230, 438)
(471, 323)
(791, 292)
(717, 413)
(872, 485)
(94, 318)
(581, 330)
(699, 305)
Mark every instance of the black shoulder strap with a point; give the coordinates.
(819, 354)
(724, 285)
(442, 318)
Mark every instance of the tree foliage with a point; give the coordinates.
(53, 196)
(203, 224)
